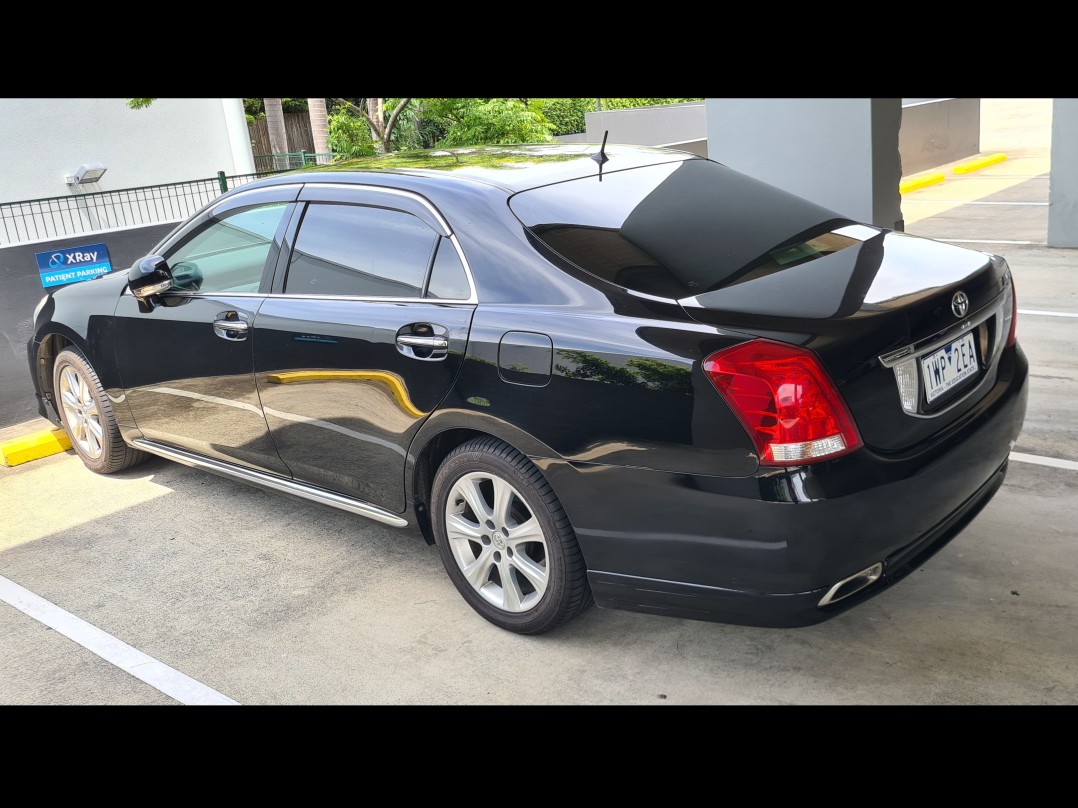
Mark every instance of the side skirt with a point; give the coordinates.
(269, 481)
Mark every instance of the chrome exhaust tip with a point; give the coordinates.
(851, 585)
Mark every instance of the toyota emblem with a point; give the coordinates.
(959, 304)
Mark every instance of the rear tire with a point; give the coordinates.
(505, 540)
(87, 416)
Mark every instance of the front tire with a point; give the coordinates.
(505, 540)
(87, 415)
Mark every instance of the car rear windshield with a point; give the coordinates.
(679, 229)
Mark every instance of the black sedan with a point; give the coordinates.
(636, 378)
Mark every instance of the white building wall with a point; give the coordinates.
(42, 140)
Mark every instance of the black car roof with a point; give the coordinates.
(511, 168)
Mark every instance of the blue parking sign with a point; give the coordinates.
(73, 264)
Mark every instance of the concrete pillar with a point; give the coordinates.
(1063, 180)
(239, 139)
(838, 152)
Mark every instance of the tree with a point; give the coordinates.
(488, 121)
(278, 135)
(374, 115)
(316, 108)
(349, 136)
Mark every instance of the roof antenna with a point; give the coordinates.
(601, 157)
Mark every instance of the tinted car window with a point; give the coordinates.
(675, 230)
(447, 278)
(230, 253)
(362, 251)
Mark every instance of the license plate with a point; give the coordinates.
(948, 367)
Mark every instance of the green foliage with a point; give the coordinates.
(256, 107)
(487, 121)
(587, 365)
(631, 103)
(349, 136)
(406, 134)
(139, 103)
(566, 115)
(652, 374)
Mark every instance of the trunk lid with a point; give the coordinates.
(881, 313)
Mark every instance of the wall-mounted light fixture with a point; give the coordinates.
(87, 173)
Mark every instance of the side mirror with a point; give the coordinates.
(149, 276)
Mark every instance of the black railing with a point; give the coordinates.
(60, 216)
(291, 160)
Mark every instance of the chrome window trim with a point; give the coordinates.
(262, 188)
(361, 299)
(452, 238)
(350, 186)
(426, 203)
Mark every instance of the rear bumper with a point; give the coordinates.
(696, 602)
(764, 550)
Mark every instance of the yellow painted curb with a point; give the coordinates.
(33, 446)
(913, 184)
(979, 163)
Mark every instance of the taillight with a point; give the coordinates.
(786, 401)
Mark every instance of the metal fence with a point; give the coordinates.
(60, 216)
(290, 160)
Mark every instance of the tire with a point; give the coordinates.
(518, 563)
(87, 415)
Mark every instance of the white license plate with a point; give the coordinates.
(949, 366)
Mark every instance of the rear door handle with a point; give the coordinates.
(424, 341)
(436, 343)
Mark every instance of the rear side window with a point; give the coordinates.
(448, 280)
(678, 229)
(361, 251)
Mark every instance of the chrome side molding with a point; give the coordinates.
(263, 480)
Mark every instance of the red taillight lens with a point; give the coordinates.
(786, 401)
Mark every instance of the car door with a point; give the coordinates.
(362, 337)
(186, 365)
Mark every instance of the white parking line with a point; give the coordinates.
(142, 666)
(1054, 462)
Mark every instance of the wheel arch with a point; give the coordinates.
(443, 433)
(47, 350)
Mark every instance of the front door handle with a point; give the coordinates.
(230, 329)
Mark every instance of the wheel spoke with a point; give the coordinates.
(478, 571)
(525, 532)
(69, 387)
(84, 393)
(93, 439)
(535, 573)
(93, 427)
(460, 529)
(511, 594)
(503, 501)
(469, 489)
